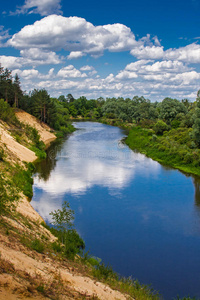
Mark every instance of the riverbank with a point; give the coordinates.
(171, 149)
(174, 148)
(32, 265)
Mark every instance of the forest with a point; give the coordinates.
(168, 131)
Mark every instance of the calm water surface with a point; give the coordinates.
(141, 218)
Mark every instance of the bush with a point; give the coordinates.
(160, 127)
(73, 244)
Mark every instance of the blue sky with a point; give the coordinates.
(105, 48)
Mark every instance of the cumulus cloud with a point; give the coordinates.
(75, 35)
(70, 71)
(30, 57)
(75, 55)
(187, 77)
(155, 72)
(126, 75)
(188, 54)
(148, 52)
(40, 57)
(10, 62)
(42, 7)
(32, 73)
(87, 68)
(27, 74)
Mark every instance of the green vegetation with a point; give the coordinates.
(8, 194)
(175, 148)
(62, 220)
(37, 245)
(22, 179)
(48, 110)
(7, 113)
(168, 131)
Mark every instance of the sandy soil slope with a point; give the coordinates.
(46, 269)
(43, 129)
(22, 269)
(18, 150)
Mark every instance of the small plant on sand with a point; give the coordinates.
(62, 219)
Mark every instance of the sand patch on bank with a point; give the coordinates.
(46, 268)
(42, 128)
(18, 150)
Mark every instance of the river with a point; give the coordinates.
(140, 217)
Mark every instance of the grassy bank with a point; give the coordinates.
(174, 148)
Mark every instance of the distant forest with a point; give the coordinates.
(161, 117)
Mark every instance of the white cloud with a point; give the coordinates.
(165, 66)
(188, 54)
(42, 7)
(187, 77)
(75, 35)
(26, 74)
(40, 57)
(136, 66)
(126, 75)
(75, 55)
(70, 71)
(30, 57)
(148, 52)
(10, 62)
(87, 68)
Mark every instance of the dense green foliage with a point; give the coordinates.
(10, 89)
(7, 113)
(175, 148)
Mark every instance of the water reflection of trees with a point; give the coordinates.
(197, 191)
(44, 167)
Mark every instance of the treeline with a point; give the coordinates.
(57, 112)
(158, 116)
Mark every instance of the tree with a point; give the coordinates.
(160, 127)
(61, 98)
(17, 90)
(196, 126)
(5, 84)
(40, 103)
(63, 220)
(169, 108)
(70, 98)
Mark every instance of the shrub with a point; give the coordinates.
(154, 137)
(73, 244)
(160, 127)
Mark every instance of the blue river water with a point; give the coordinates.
(139, 217)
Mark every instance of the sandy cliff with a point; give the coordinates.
(24, 272)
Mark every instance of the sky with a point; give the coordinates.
(103, 49)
